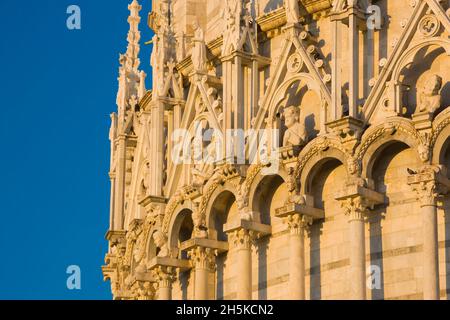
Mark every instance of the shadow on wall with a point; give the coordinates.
(315, 290)
(446, 208)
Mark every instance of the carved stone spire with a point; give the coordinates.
(131, 79)
(134, 36)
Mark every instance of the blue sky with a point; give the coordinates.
(57, 90)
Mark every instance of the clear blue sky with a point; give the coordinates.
(57, 90)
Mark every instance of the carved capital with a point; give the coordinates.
(202, 257)
(428, 183)
(242, 238)
(164, 276)
(355, 208)
(143, 290)
(297, 222)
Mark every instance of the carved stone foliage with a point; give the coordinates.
(283, 68)
(298, 222)
(355, 207)
(317, 146)
(242, 239)
(142, 290)
(425, 182)
(164, 276)
(202, 258)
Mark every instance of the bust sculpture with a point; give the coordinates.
(295, 134)
(429, 98)
(161, 243)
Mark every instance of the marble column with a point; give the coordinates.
(297, 224)
(242, 240)
(426, 183)
(164, 276)
(430, 248)
(355, 210)
(203, 261)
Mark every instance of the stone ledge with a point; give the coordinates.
(261, 229)
(354, 190)
(302, 209)
(113, 235)
(182, 264)
(220, 246)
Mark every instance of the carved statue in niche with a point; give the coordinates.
(161, 242)
(147, 178)
(295, 134)
(292, 11)
(199, 58)
(157, 63)
(429, 97)
(203, 165)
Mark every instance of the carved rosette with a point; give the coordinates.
(429, 26)
(355, 208)
(294, 63)
(164, 276)
(202, 258)
(298, 222)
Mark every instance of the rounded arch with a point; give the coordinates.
(316, 165)
(217, 209)
(261, 195)
(181, 219)
(150, 249)
(317, 153)
(378, 137)
(441, 136)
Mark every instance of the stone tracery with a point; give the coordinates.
(345, 149)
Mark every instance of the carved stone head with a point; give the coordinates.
(291, 116)
(159, 239)
(433, 85)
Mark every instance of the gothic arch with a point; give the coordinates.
(136, 183)
(280, 93)
(407, 59)
(379, 136)
(409, 55)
